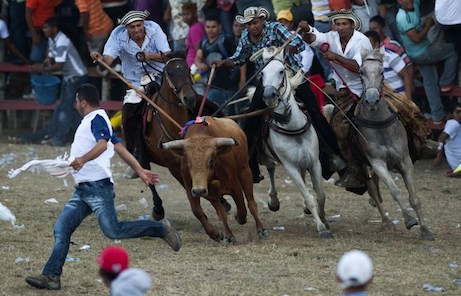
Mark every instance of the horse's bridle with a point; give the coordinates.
(380, 87)
(176, 91)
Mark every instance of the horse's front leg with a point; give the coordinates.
(376, 200)
(158, 212)
(274, 203)
(407, 175)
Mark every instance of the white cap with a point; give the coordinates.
(354, 269)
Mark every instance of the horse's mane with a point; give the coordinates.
(296, 79)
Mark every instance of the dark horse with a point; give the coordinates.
(179, 100)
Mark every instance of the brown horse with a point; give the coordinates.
(179, 100)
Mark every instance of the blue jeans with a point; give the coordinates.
(323, 27)
(65, 115)
(427, 66)
(219, 96)
(94, 197)
(18, 26)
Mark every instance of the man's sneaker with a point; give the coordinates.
(44, 282)
(171, 237)
(130, 174)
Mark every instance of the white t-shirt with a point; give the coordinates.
(447, 12)
(453, 144)
(3, 30)
(393, 64)
(353, 49)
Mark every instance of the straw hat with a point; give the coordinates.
(346, 14)
(251, 13)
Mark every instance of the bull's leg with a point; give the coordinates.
(237, 195)
(376, 200)
(210, 229)
(407, 175)
(247, 187)
(158, 212)
(228, 235)
(309, 200)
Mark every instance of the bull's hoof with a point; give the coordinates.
(326, 234)
(307, 211)
(273, 208)
(263, 234)
(227, 206)
(158, 213)
(410, 222)
(241, 221)
(230, 240)
(217, 237)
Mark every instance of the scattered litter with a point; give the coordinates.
(85, 247)
(279, 228)
(65, 183)
(59, 167)
(21, 260)
(162, 186)
(457, 282)
(144, 217)
(7, 215)
(433, 288)
(18, 227)
(5, 187)
(408, 209)
(453, 265)
(395, 222)
(118, 241)
(52, 200)
(334, 218)
(288, 181)
(143, 202)
(72, 259)
(309, 289)
(374, 221)
(7, 159)
(121, 207)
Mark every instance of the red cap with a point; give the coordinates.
(113, 259)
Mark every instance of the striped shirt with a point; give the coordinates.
(393, 64)
(61, 49)
(394, 46)
(99, 23)
(320, 10)
(121, 45)
(273, 34)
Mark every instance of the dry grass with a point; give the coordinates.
(286, 263)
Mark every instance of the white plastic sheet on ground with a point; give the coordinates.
(59, 167)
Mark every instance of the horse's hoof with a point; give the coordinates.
(387, 226)
(227, 206)
(372, 202)
(307, 211)
(273, 208)
(326, 234)
(230, 240)
(158, 213)
(263, 234)
(427, 236)
(410, 222)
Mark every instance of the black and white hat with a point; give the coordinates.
(133, 16)
(251, 13)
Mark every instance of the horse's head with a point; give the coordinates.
(177, 75)
(372, 75)
(273, 77)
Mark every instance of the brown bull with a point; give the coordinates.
(214, 162)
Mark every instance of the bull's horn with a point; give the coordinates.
(176, 144)
(226, 142)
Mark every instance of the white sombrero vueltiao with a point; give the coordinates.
(346, 14)
(133, 16)
(251, 13)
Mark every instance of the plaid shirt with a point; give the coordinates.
(273, 34)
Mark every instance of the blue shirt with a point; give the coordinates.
(273, 34)
(409, 20)
(121, 45)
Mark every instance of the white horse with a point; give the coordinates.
(384, 143)
(291, 140)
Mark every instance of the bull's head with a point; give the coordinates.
(199, 155)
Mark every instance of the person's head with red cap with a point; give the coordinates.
(112, 261)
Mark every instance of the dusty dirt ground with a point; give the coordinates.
(294, 261)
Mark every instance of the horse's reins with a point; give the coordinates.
(259, 71)
(139, 92)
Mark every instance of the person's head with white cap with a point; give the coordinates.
(134, 22)
(354, 271)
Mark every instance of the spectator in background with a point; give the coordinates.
(388, 10)
(115, 273)
(17, 21)
(155, 8)
(62, 56)
(115, 9)
(177, 27)
(395, 72)
(426, 55)
(451, 138)
(226, 13)
(364, 10)
(354, 273)
(97, 25)
(320, 11)
(196, 31)
(5, 36)
(37, 12)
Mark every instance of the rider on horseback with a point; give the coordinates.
(134, 41)
(259, 34)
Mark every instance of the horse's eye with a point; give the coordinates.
(281, 72)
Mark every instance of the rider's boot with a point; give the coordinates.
(254, 166)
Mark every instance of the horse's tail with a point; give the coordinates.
(328, 111)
